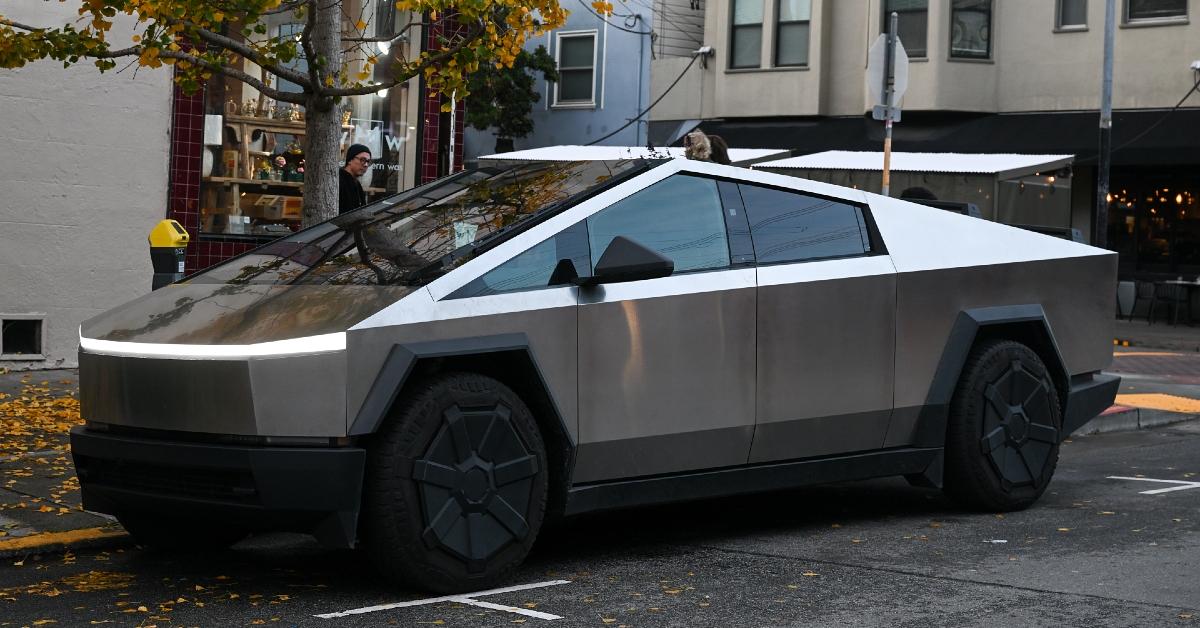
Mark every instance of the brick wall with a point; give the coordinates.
(187, 130)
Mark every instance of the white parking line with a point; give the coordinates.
(1183, 486)
(462, 598)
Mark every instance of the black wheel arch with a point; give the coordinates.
(506, 358)
(1026, 324)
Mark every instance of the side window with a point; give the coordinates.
(533, 268)
(680, 217)
(794, 227)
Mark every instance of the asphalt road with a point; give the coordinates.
(1093, 552)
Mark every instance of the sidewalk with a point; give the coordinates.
(39, 495)
(1160, 335)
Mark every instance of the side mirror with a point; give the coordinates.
(627, 260)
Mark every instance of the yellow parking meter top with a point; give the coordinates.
(168, 234)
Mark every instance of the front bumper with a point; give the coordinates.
(303, 489)
(1089, 396)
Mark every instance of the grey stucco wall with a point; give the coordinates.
(83, 178)
(622, 88)
(1033, 66)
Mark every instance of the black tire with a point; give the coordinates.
(160, 532)
(1004, 429)
(456, 485)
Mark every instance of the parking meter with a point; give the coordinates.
(168, 241)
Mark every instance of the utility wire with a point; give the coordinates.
(1160, 120)
(647, 109)
(662, 14)
(620, 28)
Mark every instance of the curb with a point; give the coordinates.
(1127, 419)
(49, 542)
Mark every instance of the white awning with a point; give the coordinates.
(1004, 165)
(739, 156)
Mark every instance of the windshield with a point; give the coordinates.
(330, 277)
(415, 237)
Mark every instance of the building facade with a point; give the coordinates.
(83, 178)
(604, 67)
(94, 162)
(236, 176)
(1019, 76)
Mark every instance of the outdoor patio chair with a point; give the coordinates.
(1143, 293)
(1173, 296)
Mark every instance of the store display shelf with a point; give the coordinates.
(268, 124)
(271, 182)
(263, 182)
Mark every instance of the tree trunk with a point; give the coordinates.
(323, 120)
(322, 160)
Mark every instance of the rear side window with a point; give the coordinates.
(680, 217)
(794, 227)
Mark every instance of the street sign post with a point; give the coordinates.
(887, 80)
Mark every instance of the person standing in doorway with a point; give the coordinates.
(350, 192)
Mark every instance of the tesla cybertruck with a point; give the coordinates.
(437, 374)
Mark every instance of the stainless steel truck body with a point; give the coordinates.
(437, 373)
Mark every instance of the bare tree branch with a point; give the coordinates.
(234, 73)
(310, 55)
(8, 22)
(246, 51)
(285, 7)
(387, 38)
(474, 33)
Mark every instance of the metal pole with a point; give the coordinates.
(889, 60)
(453, 126)
(1100, 227)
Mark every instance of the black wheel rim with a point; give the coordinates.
(1019, 431)
(475, 481)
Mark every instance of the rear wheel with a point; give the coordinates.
(1004, 429)
(456, 485)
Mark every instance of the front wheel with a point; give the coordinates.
(456, 485)
(1004, 429)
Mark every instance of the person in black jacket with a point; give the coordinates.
(350, 192)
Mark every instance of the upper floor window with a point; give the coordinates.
(912, 23)
(681, 217)
(1139, 10)
(746, 37)
(971, 29)
(576, 69)
(791, 33)
(794, 227)
(1072, 14)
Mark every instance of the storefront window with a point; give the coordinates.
(253, 159)
(1154, 222)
